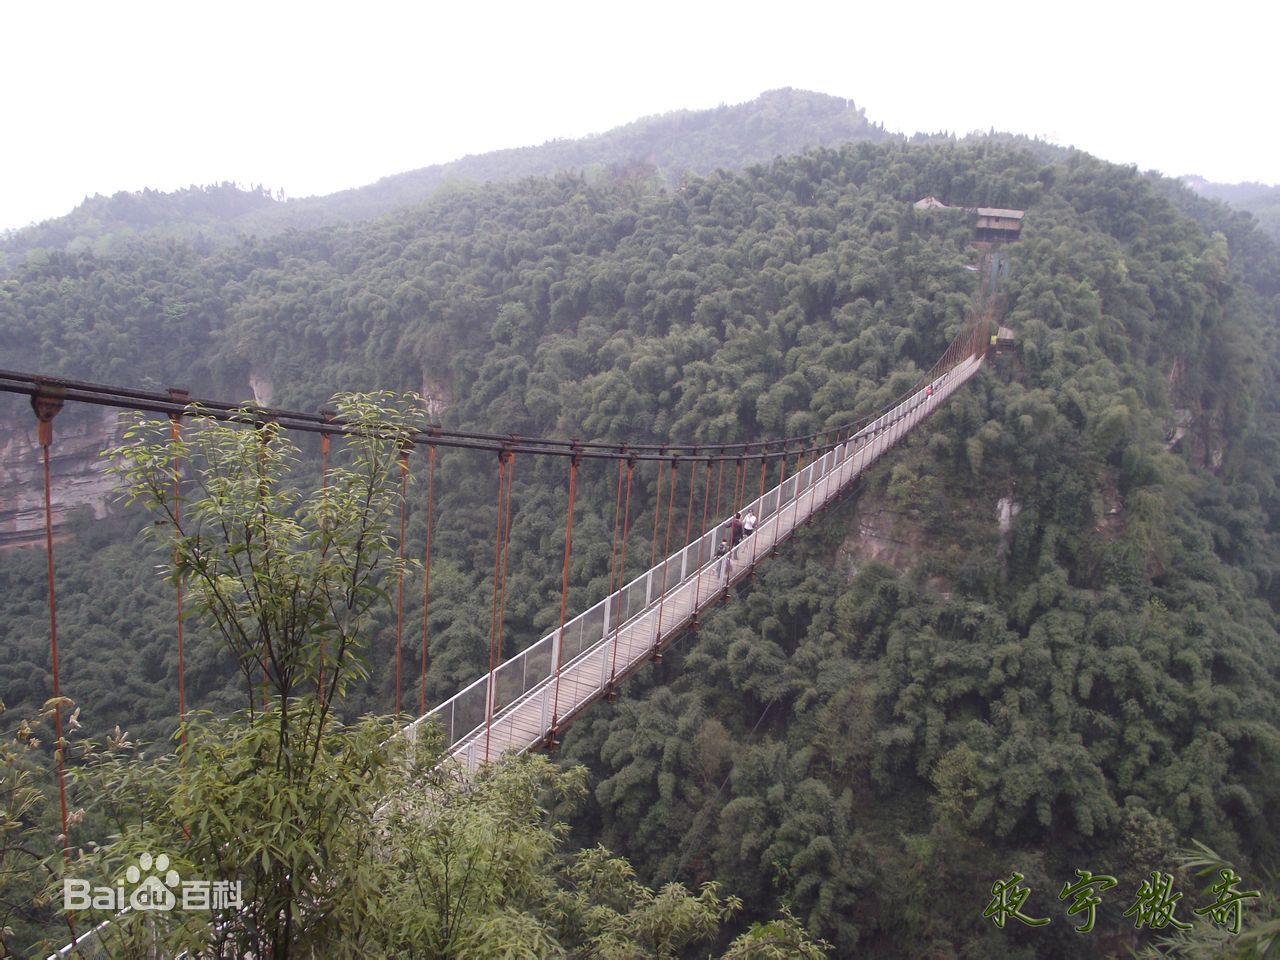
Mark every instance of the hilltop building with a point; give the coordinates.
(997, 226)
(994, 224)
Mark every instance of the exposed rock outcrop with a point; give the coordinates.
(437, 395)
(261, 387)
(77, 470)
(884, 535)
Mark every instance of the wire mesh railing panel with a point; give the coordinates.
(695, 577)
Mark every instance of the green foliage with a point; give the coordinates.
(279, 574)
(1262, 201)
(1259, 920)
(871, 745)
(340, 840)
(24, 837)
(291, 820)
(776, 940)
(380, 852)
(273, 794)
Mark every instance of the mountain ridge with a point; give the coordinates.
(667, 145)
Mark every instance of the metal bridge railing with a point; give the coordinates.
(519, 701)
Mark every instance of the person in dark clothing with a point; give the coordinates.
(735, 531)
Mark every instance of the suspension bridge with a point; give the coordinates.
(526, 702)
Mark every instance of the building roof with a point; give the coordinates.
(1003, 214)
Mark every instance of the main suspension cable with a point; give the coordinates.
(965, 344)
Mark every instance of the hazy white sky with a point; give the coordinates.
(316, 97)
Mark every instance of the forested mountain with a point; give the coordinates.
(777, 123)
(1256, 198)
(666, 146)
(196, 214)
(873, 742)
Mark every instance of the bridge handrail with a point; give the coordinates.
(463, 714)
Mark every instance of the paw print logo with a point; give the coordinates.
(155, 891)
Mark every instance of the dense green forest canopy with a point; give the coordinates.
(873, 745)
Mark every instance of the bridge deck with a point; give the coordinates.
(523, 701)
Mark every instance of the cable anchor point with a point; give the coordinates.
(46, 402)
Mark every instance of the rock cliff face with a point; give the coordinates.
(262, 389)
(77, 470)
(884, 535)
(437, 394)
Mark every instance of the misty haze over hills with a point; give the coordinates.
(664, 147)
(1257, 198)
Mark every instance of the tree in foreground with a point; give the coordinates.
(24, 834)
(282, 831)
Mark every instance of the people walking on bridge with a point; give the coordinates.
(725, 570)
(749, 524)
(735, 532)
